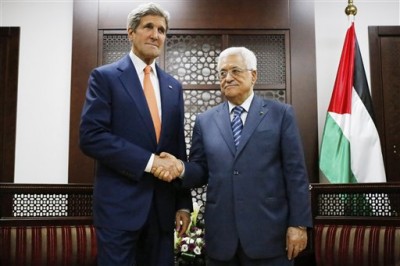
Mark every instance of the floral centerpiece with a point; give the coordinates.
(190, 248)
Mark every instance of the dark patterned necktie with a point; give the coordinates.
(237, 124)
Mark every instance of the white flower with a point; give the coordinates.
(199, 232)
(196, 209)
(184, 248)
(192, 242)
(197, 250)
(199, 241)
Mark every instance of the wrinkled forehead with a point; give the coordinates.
(154, 20)
(232, 61)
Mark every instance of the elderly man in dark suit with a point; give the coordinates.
(124, 129)
(248, 150)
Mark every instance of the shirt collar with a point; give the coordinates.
(245, 104)
(140, 65)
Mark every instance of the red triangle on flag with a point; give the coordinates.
(341, 95)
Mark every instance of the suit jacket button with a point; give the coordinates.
(236, 172)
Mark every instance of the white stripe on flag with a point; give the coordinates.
(366, 155)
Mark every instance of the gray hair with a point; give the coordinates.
(249, 57)
(154, 9)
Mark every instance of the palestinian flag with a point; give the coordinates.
(350, 149)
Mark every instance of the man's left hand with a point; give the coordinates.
(296, 241)
(182, 221)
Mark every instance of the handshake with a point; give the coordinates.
(167, 167)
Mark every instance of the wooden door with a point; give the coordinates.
(9, 52)
(384, 44)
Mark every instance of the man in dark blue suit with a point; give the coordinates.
(257, 207)
(134, 212)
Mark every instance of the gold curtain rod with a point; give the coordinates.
(350, 9)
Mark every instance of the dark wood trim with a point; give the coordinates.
(43, 221)
(318, 190)
(84, 59)
(205, 14)
(303, 80)
(9, 54)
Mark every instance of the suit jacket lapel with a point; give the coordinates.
(223, 121)
(168, 100)
(130, 80)
(257, 112)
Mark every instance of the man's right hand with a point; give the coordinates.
(166, 167)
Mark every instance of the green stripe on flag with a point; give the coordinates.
(335, 154)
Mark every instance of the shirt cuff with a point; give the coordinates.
(149, 164)
(183, 170)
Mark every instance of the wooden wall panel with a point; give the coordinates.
(90, 17)
(205, 14)
(303, 80)
(84, 59)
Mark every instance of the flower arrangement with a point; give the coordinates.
(190, 248)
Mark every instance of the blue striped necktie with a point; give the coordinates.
(237, 124)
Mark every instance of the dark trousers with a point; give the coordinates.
(149, 246)
(241, 259)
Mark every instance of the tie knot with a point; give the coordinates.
(238, 110)
(147, 69)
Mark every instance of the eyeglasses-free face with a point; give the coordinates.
(148, 38)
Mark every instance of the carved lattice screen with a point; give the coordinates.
(358, 204)
(191, 58)
(51, 205)
(45, 200)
